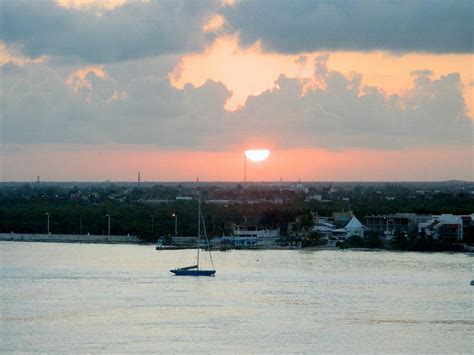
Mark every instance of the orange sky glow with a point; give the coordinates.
(227, 62)
(100, 164)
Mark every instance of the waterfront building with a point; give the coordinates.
(253, 236)
(340, 219)
(352, 228)
(395, 223)
(324, 229)
(442, 226)
(468, 227)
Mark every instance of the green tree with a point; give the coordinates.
(373, 241)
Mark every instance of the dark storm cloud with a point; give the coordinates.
(306, 25)
(135, 30)
(143, 29)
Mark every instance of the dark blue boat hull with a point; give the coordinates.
(179, 272)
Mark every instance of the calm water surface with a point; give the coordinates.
(122, 298)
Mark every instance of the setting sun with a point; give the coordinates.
(257, 155)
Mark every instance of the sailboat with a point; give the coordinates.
(195, 270)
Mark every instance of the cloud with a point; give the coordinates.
(78, 79)
(117, 30)
(133, 30)
(398, 26)
(8, 54)
(134, 103)
(422, 72)
(126, 103)
(343, 114)
(91, 4)
(215, 23)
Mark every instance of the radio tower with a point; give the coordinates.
(245, 168)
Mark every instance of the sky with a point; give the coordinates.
(337, 90)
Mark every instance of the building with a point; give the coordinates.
(396, 223)
(330, 230)
(352, 228)
(339, 227)
(442, 226)
(468, 228)
(299, 187)
(314, 198)
(254, 237)
(340, 219)
(323, 229)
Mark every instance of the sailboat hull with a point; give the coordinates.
(179, 272)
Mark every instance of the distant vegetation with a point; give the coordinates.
(141, 211)
(403, 243)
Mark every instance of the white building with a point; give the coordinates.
(254, 237)
(324, 229)
(329, 233)
(353, 227)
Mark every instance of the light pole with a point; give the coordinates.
(175, 215)
(47, 215)
(152, 222)
(108, 227)
(386, 228)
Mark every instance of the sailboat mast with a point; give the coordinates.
(199, 229)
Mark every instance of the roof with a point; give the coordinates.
(450, 219)
(323, 228)
(354, 223)
(326, 224)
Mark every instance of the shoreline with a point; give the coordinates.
(70, 238)
(137, 241)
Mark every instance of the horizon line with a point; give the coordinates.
(232, 181)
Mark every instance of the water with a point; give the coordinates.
(122, 298)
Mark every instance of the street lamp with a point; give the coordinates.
(175, 215)
(108, 229)
(47, 215)
(152, 222)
